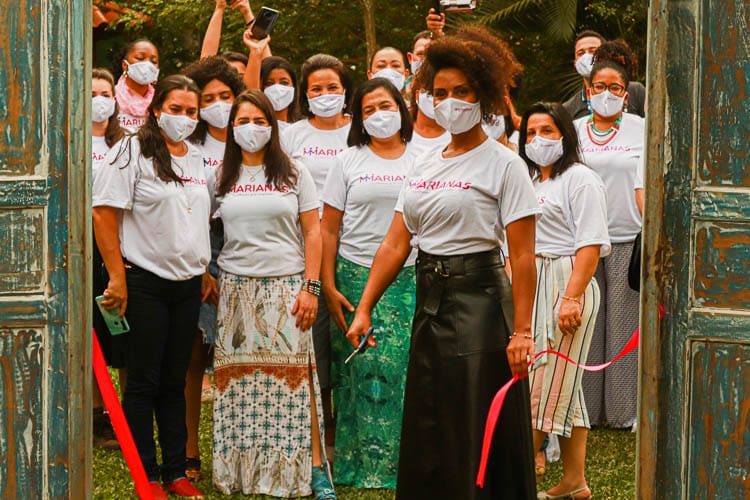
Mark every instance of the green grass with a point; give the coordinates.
(610, 469)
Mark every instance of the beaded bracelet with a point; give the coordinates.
(525, 335)
(572, 299)
(311, 286)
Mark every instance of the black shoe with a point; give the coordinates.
(104, 435)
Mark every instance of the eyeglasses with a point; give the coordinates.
(614, 88)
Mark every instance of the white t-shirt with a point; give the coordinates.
(164, 226)
(131, 123)
(262, 234)
(365, 187)
(283, 126)
(639, 173)
(420, 144)
(616, 163)
(315, 148)
(212, 152)
(574, 212)
(99, 151)
(461, 205)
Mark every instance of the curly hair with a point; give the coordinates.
(487, 62)
(202, 72)
(619, 52)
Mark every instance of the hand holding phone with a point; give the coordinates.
(115, 323)
(264, 22)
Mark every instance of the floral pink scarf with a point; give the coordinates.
(132, 103)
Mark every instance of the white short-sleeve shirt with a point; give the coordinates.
(99, 151)
(617, 163)
(365, 187)
(639, 173)
(420, 144)
(262, 233)
(131, 123)
(317, 149)
(574, 212)
(164, 227)
(461, 205)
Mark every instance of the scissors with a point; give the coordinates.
(361, 347)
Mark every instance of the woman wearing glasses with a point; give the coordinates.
(612, 144)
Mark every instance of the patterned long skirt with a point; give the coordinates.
(557, 403)
(264, 367)
(369, 391)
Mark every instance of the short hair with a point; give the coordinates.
(589, 34)
(231, 56)
(381, 49)
(358, 136)
(422, 35)
(317, 63)
(114, 131)
(275, 62)
(564, 124)
(487, 62)
(619, 52)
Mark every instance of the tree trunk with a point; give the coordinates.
(368, 7)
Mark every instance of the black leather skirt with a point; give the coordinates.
(457, 363)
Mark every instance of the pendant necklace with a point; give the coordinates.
(601, 138)
(252, 171)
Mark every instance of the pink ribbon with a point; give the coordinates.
(497, 403)
(120, 424)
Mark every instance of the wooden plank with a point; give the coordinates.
(719, 450)
(716, 203)
(32, 311)
(22, 255)
(23, 193)
(720, 273)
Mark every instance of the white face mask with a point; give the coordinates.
(393, 76)
(494, 128)
(102, 107)
(544, 152)
(584, 64)
(251, 137)
(177, 127)
(426, 105)
(143, 72)
(217, 114)
(606, 104)
(281, 96)
(327, 105)
(383, 124)
(457, 116)
(415, 65)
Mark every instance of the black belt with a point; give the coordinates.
(457, 265)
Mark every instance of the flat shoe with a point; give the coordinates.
(571, 495)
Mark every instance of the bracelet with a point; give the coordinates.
(251, 21)
(572, 299)
(311, 286)
(525, 335)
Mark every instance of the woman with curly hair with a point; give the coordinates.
(464, 346)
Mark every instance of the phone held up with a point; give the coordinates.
(264, 22)
(455, 5)
(115, 323)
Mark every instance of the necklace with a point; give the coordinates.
(601, 138)
(252, 171)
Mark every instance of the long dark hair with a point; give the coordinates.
(279, 168)
(153, 145)
(274, 62)
(564, 124)
(358, 136)
(316, 63)
(114, 131)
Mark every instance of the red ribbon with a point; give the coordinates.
(497, 403)
(120, 424)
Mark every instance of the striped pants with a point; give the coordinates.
(557, 403)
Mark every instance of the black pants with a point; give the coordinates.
(163, 318)
(457, 362)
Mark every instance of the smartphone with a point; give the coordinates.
(459, 5)
(264, 22)
(115, 323)
(436, 6)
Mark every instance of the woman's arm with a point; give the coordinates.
(306, 306)
(107, 234)
(389, 260)
(639, 200)
(521, 234)
(255, 58)
(329, 230)
(571, 306)
(213, 32)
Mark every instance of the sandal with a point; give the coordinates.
(322, 485)
(193, 468)
(571, 495)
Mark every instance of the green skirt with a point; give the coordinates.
(368, 393)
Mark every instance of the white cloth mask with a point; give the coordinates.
(383, 124)
(327, 105)
(584, 64)
(426, 105)
(102, 107)
(457, 116)
(281, 96)
(606, 104)
(415, 65)
(393, 76)
(494, 128)
(177, 127)
(143, 72)
(217, 114)
(251, 137)
(544, 152)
